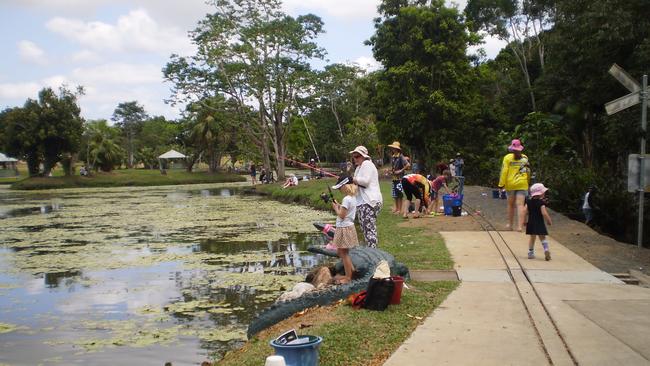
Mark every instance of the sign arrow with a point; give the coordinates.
(621, 103)
(624, 78)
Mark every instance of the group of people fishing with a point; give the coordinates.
(422, 192)
(363, 198)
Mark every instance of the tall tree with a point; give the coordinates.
(425, 88)
(157, 135)
(129, 117)
(520, 23)
(336, 82)
(47, 130)
(214, 129)
(103, 150)
(252, 52)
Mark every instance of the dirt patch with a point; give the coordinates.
(304, 319)
(443, 223)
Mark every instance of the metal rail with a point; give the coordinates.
(488, 227)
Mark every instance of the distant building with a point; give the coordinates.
(8, 166)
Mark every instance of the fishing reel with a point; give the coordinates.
(326, 197)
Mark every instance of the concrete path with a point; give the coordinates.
(510, 310)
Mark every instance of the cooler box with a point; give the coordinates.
(397, 290)
(449, 201)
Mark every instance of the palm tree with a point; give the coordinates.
(205, 134)
(103, 148)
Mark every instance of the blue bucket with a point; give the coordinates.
(495, 193)
(450, 201)
(304, 354)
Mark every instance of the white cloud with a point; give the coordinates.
(357, 9)
(56, 81)
(492, 47)
(368, 63)
(134, 32)
(171, 12)
(19, 90)
(118, 73)
(84, 56)
(30, 52)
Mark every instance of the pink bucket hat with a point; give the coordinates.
(537, 189)
(516, 145)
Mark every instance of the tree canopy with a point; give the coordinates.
(44, 131)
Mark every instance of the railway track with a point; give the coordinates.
(550, 338)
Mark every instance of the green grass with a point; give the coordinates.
(126, 177)
(360, 337)
(411, 246)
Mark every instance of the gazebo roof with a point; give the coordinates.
(172, 154)
(5, 159)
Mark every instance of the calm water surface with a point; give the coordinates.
(142, 276)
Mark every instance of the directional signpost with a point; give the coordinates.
(637, 94)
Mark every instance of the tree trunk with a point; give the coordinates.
(68, 163)
(212, 164)
(129, 137)
(217, 160)
(48, 165)
(33, 163)
(336, 115)
(266, 155)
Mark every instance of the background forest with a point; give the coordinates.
(251, 93)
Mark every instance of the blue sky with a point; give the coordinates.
(116, 48)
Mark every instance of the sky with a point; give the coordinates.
(116, 49)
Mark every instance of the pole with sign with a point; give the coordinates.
(637, 94)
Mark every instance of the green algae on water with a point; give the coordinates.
(6, 328)
(196, 234)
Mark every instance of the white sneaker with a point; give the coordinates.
(531, 255)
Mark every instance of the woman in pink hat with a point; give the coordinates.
(515, 178)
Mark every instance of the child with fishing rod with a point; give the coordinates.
(345, 236)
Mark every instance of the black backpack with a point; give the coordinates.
(379, 293)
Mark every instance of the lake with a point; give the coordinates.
(145, 275)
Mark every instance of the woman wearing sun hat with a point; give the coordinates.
(369, 199)
(515, 178)
(399, 166)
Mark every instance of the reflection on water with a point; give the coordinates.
(42, 209)
(142, 275)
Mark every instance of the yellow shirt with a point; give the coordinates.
(515, 173)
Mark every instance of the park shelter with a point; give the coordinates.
(8, 166)
(167, 159)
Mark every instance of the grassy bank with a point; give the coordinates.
(126, 177)
(360, 337)
(353, 337)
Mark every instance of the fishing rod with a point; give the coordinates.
(325, 172)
